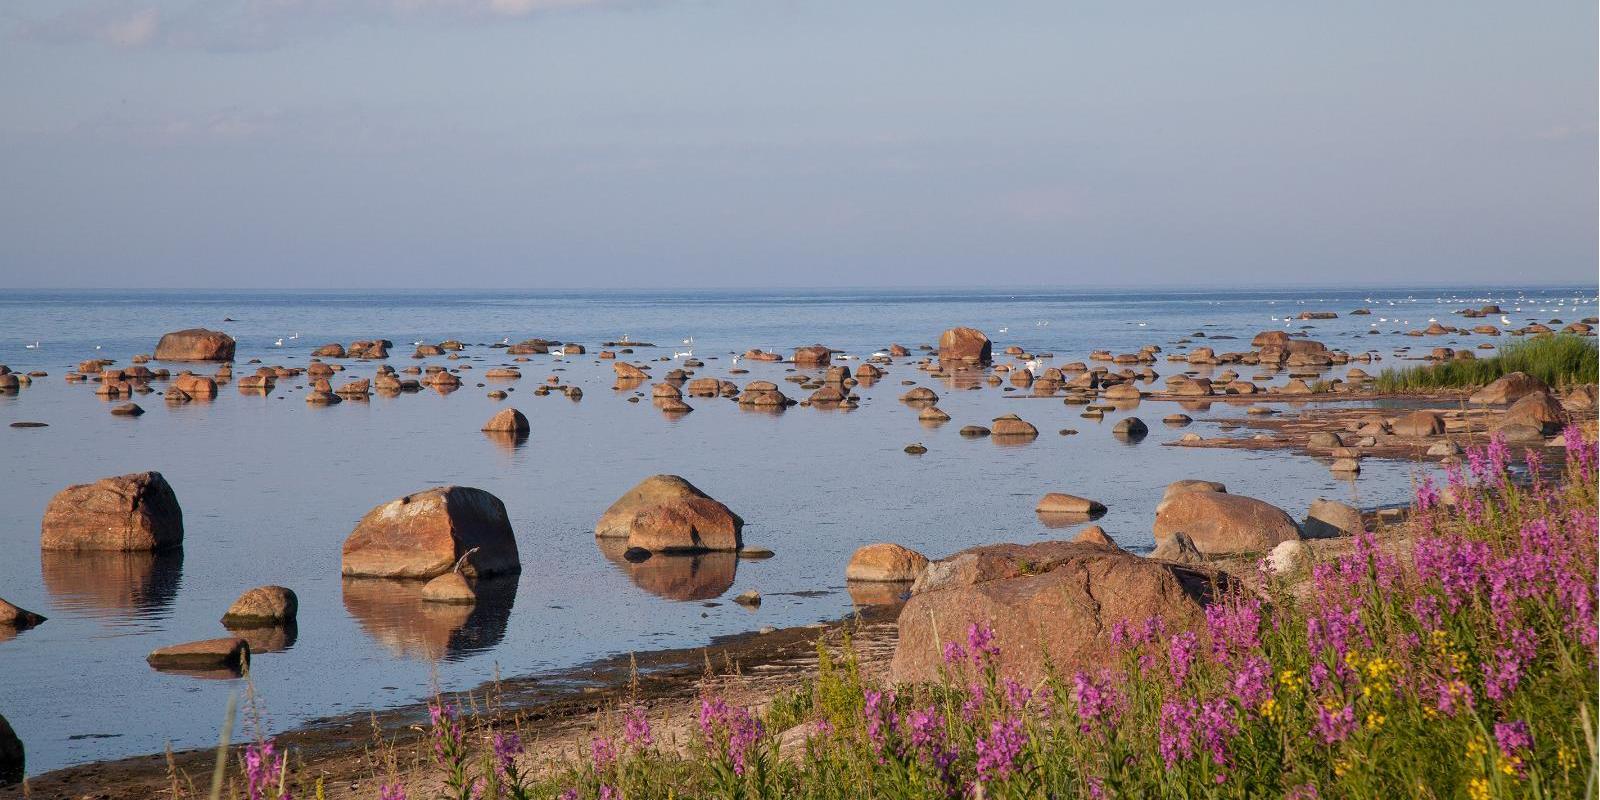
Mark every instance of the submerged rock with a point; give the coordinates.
(226, 653)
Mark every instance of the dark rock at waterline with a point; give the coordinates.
(137, 511)
(225, 653)
(425, 534)
(13, 759)
(30, 424)
(127, 410)
(17, 618)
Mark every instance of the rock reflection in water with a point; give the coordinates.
(393, 614)
(270, 639)
(506, 440)
(700, 576)
(878, 593)
(114, 584)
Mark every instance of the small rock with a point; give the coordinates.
(262, 606)
(751, 599)
(916, 449)
(885, 562)
(1059, 503)
(127, 410)
(1130, 428)
(230, 653)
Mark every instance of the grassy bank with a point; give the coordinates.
(1560, 360)
(1455, 661)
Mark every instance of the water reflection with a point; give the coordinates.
(270, 639)
(393, 614)
(140, 585)
(507, 440)
(878, 593)
(701, 576)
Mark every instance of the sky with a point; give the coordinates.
(786, 143)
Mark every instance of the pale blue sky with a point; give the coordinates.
(585, 143)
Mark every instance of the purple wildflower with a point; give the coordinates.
(1180, 656)
(997, 752)
(1336, 725)
(1176, 740)
(636, 728)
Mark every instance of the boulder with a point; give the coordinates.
(198, 386)
(1224, 524)
(507, 420)
(1189, 485)
(13, 759)
(137, 511)
(933, 414)
(665, 513)
(1049, 603)
(1418, 423)
(1330, 518)
(127, 410)
(1014, 426)
(1123, 391)
(1581, 398)
(629, 372)
(263, 606)
(1130, 428)
(17, 618)
(964, 345)
(883, 562)
(1095, 535)
(195, 344)
(1324, 440)
(1508, 388)
(424, 534)
(974, 431)
(228, 653)
(1178, 547)
(332, 350)
(1059, 503)
(1521, 433)
(451, 588)
(920, 394)
(1539, 410)
(815, 355)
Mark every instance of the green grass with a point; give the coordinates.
(1561, 360)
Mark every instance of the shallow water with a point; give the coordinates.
(270, 486)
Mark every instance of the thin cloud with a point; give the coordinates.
(227, 25)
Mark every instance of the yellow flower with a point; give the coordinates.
(1478, 789)
(1375, 720)
(1564, 758)
(1476, 748)
(1269, 708)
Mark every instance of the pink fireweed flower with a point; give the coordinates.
(602, 753)
(1099, 702)
(1017, 695)
(954, 653)
(1427, 494)
(729, 732)
(1176, 736)
(1453, 695)
(878, 713)
(997, 752)
(392, 791)
(1334, 726)
(636, 728)
(569, 794)
(1217, 724)
(262, 766)
(1235, 627)
(980, 643)
(609, 792)
(507, 746)
(928, 739)
(1502, 674)
(1252, 683)
(1515, 740)
(976, 695)
(1180, 656)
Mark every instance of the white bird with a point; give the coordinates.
(881, 354)
(1433, 319)
(294, 336)
(1142, 324)
(97, 347)
(685, 354)
(1003, 330)
(735, 361)
(34, 346)
(1041, 323)
(278, 343)
(506, 340)
(689, 341)
(1505, 320)
(1031, 365)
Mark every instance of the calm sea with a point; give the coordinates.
(270, 487)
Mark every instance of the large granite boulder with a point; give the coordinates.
(1538, 410)
(815, 355)
(1055, 601)
(665, 513)
(1509, 388)
(885, 561)
(137, 511)
(424, 534)
(1418, 423)
(1223, 524)
(195, 344)
(964, 345)
(1330, 518)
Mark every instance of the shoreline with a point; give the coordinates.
(549, 704)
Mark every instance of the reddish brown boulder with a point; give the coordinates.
(508, 420)
(1220, 523)
(1509, 388)
(17, 618)
(1059, 503)
(964, 344)
(263, 606)
(885, 561)
(198, 386)
(128, 512)
(1418, 423)
(424, 534)
(629, 372)
(1095, 535)
(1013, 426)
(195, 344)
(665, 513)
(334, 350)
(1051, 601)
(1538, 410)
(815, 355)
